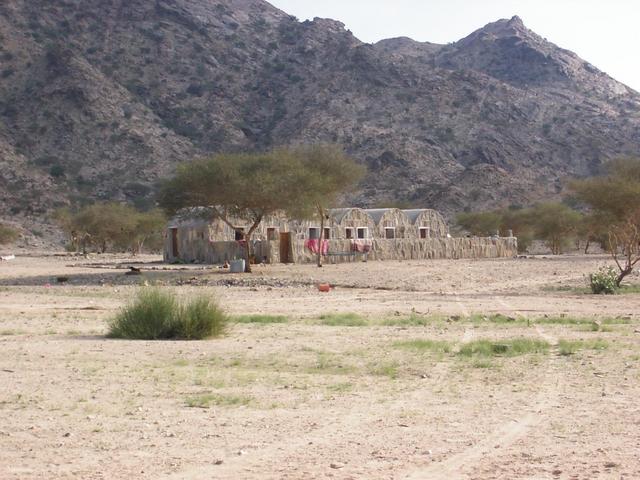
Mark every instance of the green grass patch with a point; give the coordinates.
(327, 363)
(385, 369)
(413, 320)
(629, 289)
(261, 319)
(564, 320)
(209, 399)
(496, 318)
(503, 348)
(8, 333)
(421, 345)
(569, 347)
(343, 320)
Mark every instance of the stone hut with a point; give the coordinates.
(352, 234)
(427, 223)
(391, 223)
(352, 224)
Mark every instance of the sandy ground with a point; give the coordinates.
(304, 400)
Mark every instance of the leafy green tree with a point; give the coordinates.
(615, 199)
(555, 224)
(112, 224)
(480, 224)
(330, 172)
(519, 222)
(250, 186)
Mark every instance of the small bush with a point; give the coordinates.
(157, 315)
(569, 347)
(8, 234)
(201, 318)
(603, 281)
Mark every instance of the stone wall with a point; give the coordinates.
(192, 247)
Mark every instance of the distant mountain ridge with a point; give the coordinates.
(101, 98)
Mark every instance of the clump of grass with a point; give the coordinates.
(343, 320)
(424, 345)
(200, 318)
(564, 320)
(629, 289)
(209, 399)
(495, 318)
(328, 363)
(569, 347)
(385, 369)
(413, 320)
(506, 348)
(263, 319)
(157, 315)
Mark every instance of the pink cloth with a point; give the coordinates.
(315, 244)
(361, 246)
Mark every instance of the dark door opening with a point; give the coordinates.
(174, 243)
(285, 247)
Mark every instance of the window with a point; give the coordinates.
(271, 233)
(327, 233)
(390, 233)
(362, 232)
(239, 234)
(425, 232)
(314, 233)
(348, 233)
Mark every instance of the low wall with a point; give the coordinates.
(414, 249)
(195, 250)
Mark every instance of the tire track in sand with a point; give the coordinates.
(503, 436)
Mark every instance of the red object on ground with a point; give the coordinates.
(324, 287)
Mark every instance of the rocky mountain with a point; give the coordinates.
(101, 98)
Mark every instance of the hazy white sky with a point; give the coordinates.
(606, 33)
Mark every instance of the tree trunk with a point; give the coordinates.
(247, 239)
(623, 273)
(319, 255)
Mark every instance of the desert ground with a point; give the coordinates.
(372, 380)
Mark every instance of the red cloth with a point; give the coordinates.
(314, 244)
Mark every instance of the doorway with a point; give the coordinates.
(174, 243)
(285, 247)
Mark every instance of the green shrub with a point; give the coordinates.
(603, 281)
(157, 315)
(8, 234)
(201, 318)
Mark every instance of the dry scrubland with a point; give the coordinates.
(378, 379)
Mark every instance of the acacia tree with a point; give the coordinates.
(331, 173)
(554, 223)
(109, 224)
(242, 186)
(615, 199)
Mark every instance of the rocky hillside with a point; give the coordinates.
(101, 98)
